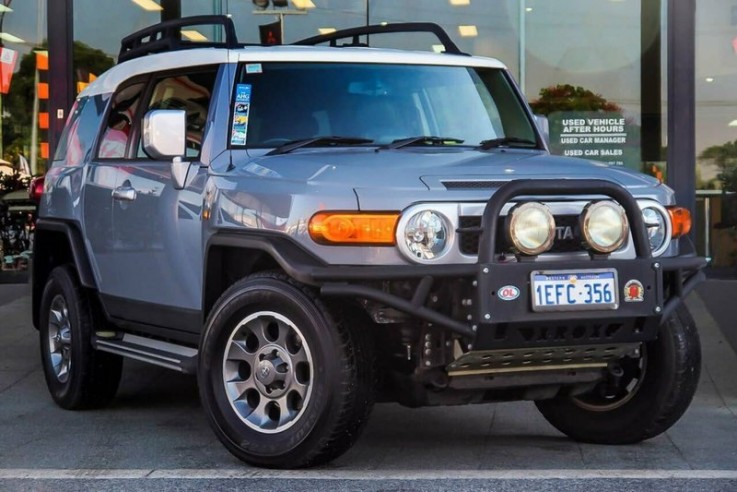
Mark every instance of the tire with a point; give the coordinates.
(660, 387)
(78, 376)
(298, 385)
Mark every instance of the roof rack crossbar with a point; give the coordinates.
(166, 36)
(430, 27)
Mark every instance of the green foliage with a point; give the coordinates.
(725, 157)
(18, 104)
(565, 97)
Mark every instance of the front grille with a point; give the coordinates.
(568, 237)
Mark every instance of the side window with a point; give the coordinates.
(190, 92)
(80, 131)
(117, 131)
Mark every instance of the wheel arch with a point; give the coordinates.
(57, 243)
(232, 256)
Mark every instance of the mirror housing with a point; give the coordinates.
(164, 133)
(544, 126)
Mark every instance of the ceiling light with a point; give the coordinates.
(468, 31)
(10, 38)
(194, 35)
(709, 79)
(528, 9)
(4, 9)
(303, 4)
(326, 30)
(149, 5)
(733, 123)
(458, 3)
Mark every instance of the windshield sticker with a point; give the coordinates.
(241, 108)
(253, 68)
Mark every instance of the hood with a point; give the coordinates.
(392, 179)
(428, 169)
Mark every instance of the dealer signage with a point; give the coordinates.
(595, 135)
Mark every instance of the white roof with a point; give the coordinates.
(109, 81)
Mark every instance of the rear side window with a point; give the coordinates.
(192, 93)
(78, 137)
(117, 132)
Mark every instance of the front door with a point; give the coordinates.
(157, 235)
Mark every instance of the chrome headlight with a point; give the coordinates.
(531, 228)
(425, 237)
(656, 227)
(604, 225)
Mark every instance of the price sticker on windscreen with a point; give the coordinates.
(241, 109)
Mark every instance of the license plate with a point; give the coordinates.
(574, 291)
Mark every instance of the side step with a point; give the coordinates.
(157, 352)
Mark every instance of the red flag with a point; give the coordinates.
(8, 58)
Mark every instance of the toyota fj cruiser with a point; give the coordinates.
(311, 229)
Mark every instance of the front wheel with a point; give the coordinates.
(653, 392)
(283, 381)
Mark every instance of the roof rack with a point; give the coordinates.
(167, 36)
(430, 27)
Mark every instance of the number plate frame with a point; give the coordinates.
(611, 306)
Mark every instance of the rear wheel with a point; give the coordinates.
(77, 375)
(284, 382)
(652, 393)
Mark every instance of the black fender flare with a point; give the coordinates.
(42, 258)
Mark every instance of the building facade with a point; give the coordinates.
(646, 84)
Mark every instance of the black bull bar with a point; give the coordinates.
(665, 281)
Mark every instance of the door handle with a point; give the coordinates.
(124, 193)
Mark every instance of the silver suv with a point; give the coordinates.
(310, 229)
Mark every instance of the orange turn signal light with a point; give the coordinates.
(353, 228)
(680, 219)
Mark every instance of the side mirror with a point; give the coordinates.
(164, 133)
(164, 137)
(544, 126)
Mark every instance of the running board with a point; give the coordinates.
(176, 357)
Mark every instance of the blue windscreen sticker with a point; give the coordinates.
(254, 68)
(242, 106)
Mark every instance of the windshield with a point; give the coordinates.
(275, 103)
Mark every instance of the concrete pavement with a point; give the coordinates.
(155, 434)
(11, 292)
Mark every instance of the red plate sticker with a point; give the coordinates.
(634, 291)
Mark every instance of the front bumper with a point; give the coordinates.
(497, 323)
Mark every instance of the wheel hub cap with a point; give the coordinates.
(60, 338)
(267, 372)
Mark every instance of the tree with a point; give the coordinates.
(725, 158)
(17, 105)
(565, 97)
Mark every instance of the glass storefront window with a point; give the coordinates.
(716, 129)
(580, 62)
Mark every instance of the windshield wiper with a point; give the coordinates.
(317, 142)
(420, 140)
(506, 142)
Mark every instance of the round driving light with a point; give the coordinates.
(604, 226)
(426, 235)
(531, 228)
(657, 230)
